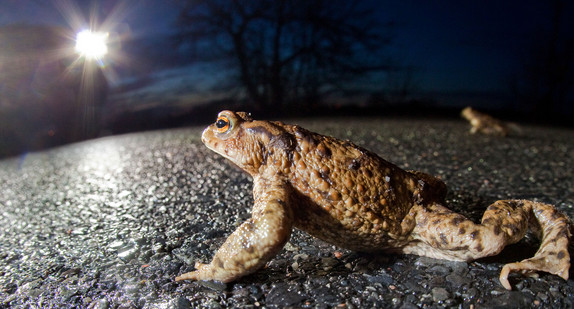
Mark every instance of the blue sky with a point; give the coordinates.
(456, 47)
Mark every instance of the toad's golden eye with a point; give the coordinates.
(223, 124)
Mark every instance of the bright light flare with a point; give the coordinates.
(92, 45)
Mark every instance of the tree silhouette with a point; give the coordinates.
(286, 52)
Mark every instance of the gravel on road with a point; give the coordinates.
(109, 223)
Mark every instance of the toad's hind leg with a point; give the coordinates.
(441, 233)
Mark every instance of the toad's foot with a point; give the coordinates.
(552, 256)
(557, 266)
(199, 274)
(254, 242)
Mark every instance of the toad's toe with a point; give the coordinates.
(188, 276)
(549, 264)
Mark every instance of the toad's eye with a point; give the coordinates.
(223, 124)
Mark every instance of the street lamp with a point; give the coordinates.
(92, 45)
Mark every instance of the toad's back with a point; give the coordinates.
(347, 195)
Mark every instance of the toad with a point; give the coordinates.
(354, 199)
(484, 123)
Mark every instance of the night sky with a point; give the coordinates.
(459, 50)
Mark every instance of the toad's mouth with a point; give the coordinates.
(216, 145)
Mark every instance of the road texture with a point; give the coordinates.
(109, 223)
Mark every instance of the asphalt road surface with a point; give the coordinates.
(109, 223)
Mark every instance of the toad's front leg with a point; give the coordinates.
(256, 241)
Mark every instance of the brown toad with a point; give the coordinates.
(350, 197)
(483, 123)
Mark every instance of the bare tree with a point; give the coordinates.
(286, 51)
